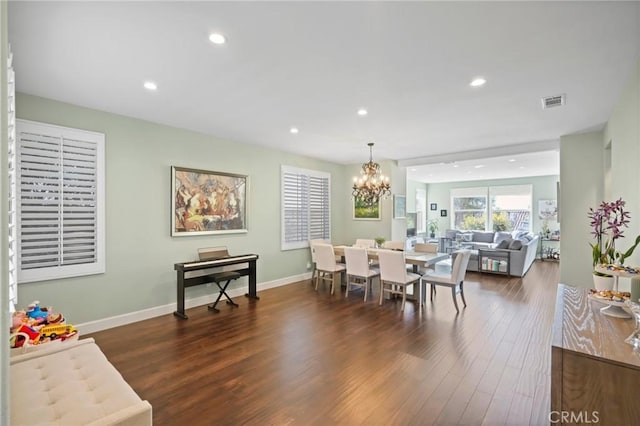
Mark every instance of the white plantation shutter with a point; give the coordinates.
(305, 207)
(61, 202)
(319, 208)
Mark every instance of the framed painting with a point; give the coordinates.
(205, 202)
(548, 209)
(399, 207)
(443, 213)
(434, 206)
(361, 211)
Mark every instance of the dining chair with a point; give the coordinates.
(365, 243)
(394, 245)
(426, 248)
(313, 255)
(359, 273)
(454, 280)
(393, 273)
(326, 266)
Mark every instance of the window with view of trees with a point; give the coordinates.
(496, 208)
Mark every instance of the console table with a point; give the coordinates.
(551, 247)
(594, 373)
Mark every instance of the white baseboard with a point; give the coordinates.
(131, 317)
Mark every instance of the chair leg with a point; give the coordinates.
(455, 302)
(333, 282)
(462, 294)
(381, 291)
(366, 287)
(431, 291)
(404, 297)
(346, 293)
(317, 279)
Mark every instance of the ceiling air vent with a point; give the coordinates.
(552, 101)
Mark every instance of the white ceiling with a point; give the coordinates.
(312, 65)
(542, 163)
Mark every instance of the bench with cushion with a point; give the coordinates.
(72, 384)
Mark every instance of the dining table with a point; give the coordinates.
(417, 259)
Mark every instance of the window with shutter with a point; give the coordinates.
(60, 202)
(306, 212)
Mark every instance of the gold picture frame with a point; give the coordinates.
(205, 202)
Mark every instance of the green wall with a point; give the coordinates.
(544, 188)
(140, 252)
(587, 178)
(622, 133)
(581, 187)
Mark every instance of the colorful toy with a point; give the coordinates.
(57, 331)
(19, 318)
(34, 311)
(24, 334)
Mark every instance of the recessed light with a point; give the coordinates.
(477, 82)
(479, 166)
(293, 130)
(362, 112)
(522, 167)
(217, 38)
(150, 85)
(456, 165)
(511, 160)
(413, 170)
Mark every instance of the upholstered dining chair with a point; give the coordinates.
(426, 248)
(393, 245)
(454, 280)
(313, 255)
(394, 277)
(326, 266)
(359, 273)
(360, 242)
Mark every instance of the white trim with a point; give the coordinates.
(524, 148)
(131, 317)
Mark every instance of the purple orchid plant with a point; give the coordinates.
(608, 223)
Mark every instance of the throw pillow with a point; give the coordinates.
(504, 244)
(451, 233)
(515, 245)
(500, 236)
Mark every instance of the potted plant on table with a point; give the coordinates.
(433, 227)
(379, 241)
(608, 221)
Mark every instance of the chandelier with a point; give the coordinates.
(372, 185)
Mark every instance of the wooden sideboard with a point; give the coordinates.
(595, 375)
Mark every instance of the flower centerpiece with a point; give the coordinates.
(608, 222)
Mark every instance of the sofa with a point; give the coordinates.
(522, 247)
(72, 384)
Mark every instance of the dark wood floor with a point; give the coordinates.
(301, 357)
